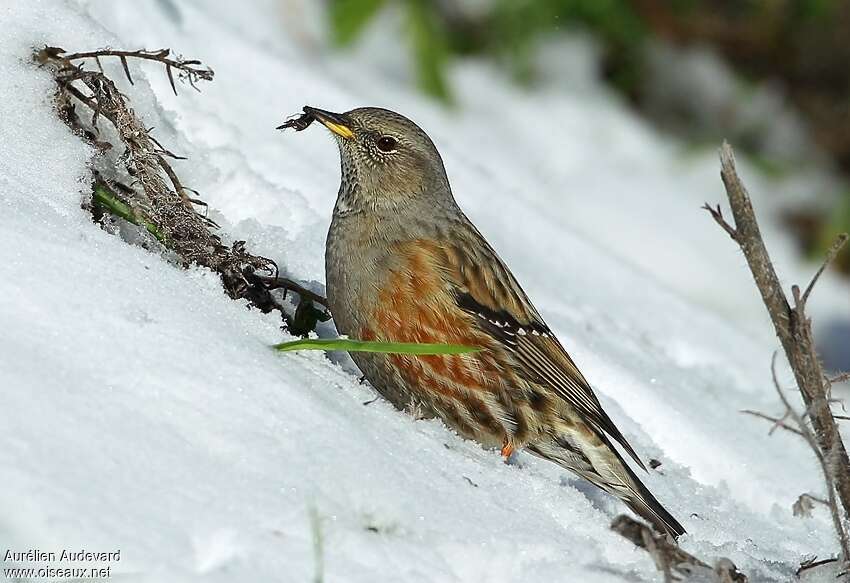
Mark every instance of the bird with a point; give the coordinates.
(404, 264)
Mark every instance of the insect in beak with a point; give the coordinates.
(333, 121)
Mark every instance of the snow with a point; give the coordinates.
(143, 410)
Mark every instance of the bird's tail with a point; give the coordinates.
(602, 465)
(645, 505)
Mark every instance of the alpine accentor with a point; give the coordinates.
(403, 263)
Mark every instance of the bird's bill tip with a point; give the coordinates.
(333, 121)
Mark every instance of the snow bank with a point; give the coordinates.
(142, 410)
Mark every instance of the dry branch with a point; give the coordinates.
(778, 422)
(189, 70)
(289, 285)
(673, 562)
(794, 331)
(823, 459)
(157, 196)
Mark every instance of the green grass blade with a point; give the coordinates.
(106, 199)
(348, 345)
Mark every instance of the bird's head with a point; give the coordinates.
(387, 160)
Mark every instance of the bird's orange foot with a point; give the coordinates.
(507, 450)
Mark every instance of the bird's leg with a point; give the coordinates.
(507, 449)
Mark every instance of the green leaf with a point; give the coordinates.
(107, 200)
(348, 18)
(371, 346)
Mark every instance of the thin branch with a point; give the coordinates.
(290, 285)
(188, 68)
(777, 422)
(162, 149)
(95, 101)
(748, 237)
(814, 564)
(85, 99)
(674, 563)
(793, 328)
(804, 430)
(845, 376)
(817, 499)
(181, 190)
(153, 201)
(824, 458)
(717, 215)
(834, 249)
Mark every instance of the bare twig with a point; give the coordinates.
(777, 422)
(814, 564)
(289, 285)
(845, 376)
(793, 328)
(806, 433)
(181, 190)
(159, 197)
(673, 562)
(834, 249)
(717, 215)
(823, 459)
(190, 70)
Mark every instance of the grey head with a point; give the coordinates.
(387, 161)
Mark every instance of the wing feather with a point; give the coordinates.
(485, 288)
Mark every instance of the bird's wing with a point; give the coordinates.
(485, 288)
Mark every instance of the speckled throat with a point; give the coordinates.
(350, 198)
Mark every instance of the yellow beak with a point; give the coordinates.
(333, 121)
(338, 129)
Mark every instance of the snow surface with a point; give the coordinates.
(143, 410)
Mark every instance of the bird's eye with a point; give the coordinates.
(386, 143)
